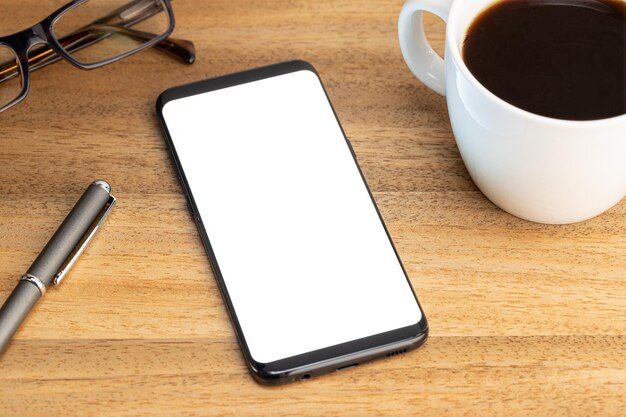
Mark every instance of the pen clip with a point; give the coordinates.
(84, 241)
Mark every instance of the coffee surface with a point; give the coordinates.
(564, 59)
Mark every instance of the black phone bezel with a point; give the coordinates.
(319, 361)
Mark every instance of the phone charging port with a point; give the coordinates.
(354, 365)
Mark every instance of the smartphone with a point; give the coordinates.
(305, 264)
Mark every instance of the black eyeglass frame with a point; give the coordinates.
(41, 33)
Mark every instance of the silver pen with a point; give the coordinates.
(57, 257)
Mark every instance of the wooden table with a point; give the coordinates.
(525, 318)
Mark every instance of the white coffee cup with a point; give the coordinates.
(537, 168)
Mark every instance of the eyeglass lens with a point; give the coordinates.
(100, 30)
(10, 76)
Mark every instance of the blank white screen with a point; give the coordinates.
(302, 251)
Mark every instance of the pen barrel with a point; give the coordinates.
(15, 309)
(69, 234)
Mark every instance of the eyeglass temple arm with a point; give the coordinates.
(43, 56)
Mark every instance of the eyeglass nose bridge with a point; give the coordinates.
(30, 37)
(27, 38)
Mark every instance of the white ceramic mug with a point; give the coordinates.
(537, 168)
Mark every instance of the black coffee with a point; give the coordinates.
(558, 58)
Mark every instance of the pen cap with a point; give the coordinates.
(71, 231)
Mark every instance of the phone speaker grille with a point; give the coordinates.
(397, 352)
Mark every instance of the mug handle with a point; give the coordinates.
(422, 60)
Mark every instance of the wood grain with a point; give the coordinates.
(525, 318)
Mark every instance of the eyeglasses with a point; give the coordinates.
(89, 34)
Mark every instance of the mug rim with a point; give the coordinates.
(454, 51)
